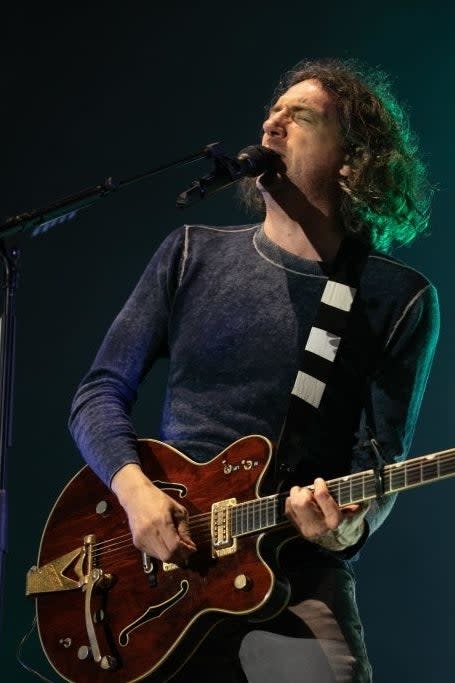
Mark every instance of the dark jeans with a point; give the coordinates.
(318, 638)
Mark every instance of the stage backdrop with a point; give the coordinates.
(99, 89)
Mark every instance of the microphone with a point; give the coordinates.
(250, 162)
(257, 159)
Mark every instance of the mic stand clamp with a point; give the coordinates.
(226, 171)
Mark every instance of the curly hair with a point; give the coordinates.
(386, 198)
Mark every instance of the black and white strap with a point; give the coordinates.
(321, 349)
(323, 342)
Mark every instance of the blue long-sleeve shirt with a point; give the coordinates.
(232, 311)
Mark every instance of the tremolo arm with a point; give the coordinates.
(50, 578)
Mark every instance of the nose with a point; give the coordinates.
(276, 123)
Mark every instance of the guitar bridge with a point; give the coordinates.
(223, 542)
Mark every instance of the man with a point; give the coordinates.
(234, 308)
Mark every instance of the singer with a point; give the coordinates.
(302, 328)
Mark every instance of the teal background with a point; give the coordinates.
(90, 90)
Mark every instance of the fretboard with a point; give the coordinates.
(264, 513)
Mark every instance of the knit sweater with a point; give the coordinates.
(232, 312)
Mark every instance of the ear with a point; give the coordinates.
(345, 170)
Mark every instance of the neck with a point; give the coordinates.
(305, 224)
(315, 240)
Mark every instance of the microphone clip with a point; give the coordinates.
(226, 171)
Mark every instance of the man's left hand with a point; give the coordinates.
(319, 518)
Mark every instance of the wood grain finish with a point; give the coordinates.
(158, 645)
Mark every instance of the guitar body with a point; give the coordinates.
(149, 617)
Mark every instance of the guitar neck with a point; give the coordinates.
(265, 513)
(363, 486)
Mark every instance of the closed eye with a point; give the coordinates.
(303, 114)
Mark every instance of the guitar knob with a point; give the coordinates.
(242, 582)
(102, 508)
(84, 652)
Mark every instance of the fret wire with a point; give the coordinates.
(387, 480)
(256, 514)
(263, 512)
(417, 463)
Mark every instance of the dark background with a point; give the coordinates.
(91, 90)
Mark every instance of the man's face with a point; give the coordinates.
(303, 128)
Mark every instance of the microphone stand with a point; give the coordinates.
(10, 256)
(39, 221)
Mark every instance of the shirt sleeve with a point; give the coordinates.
(395, 395)
(100, 419)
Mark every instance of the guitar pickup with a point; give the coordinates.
(223, 542)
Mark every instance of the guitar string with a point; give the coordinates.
(127, 534)
(341, 484)
(200, 539)
(108, 547)
(250, 508)
(111, 542)
(202, 525)
(268, 504)
(246, 524)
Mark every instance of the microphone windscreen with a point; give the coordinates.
(256, 159)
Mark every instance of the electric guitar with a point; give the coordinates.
(108, 613)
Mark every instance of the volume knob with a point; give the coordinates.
(242, 582)
(84, 652)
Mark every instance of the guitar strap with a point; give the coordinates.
(321, 350)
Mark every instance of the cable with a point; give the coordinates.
(19, 654)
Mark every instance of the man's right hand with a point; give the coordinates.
(159, 525)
